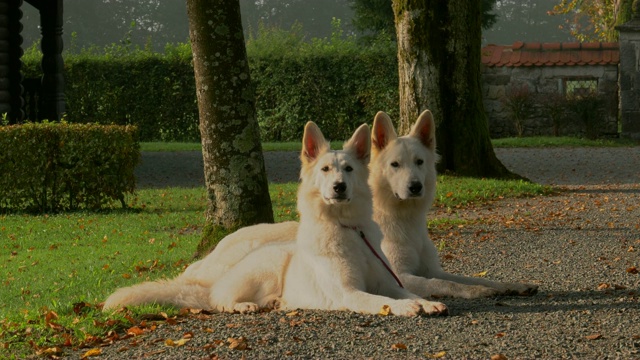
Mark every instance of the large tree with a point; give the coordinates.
(236, 181)
(439, 69)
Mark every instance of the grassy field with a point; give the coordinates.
(538, 141)
(56, 269)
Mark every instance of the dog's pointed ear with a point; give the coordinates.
(360, 143)
(383, 132)
(313, 143)
(425, 130)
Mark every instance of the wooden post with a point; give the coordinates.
(51, 19)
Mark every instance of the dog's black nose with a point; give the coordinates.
(415, 188)
(339, 187)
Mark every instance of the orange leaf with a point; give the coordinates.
(399, 346)
(126, 276)
(593, 337)
(498, 357)
(632, 270)
(437, 355)
(385, 310)
(135, 331)
(92, 352)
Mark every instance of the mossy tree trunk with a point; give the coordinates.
(236, 181)
(439, 45)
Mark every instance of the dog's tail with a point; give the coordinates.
(177, 292)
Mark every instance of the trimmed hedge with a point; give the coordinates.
(57, 166)
(335, 83)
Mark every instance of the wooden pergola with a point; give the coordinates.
(50, 87)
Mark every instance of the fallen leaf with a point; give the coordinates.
(92, 352)
(126, 276)
(593, 337)
(399, 346)
(437, 355)
(481, 274)
(632, 270)
(500, 334)
(498, 357)
(293, 313)
(135, 331)
(237, 343)
(176, 343)
(385, 310)
(603, 286)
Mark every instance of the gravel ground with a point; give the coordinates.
(581, 246)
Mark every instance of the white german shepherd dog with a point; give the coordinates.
(403, 180)
(335, 262)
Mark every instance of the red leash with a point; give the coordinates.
(361, 233)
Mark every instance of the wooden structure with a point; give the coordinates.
(45, 96)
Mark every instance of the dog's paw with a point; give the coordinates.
(406, 307)
(433, 308)
(246, 307)
(516, 289)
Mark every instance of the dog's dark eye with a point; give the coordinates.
(325, 169)
(395, 164)
(348, 169)
(419, 162)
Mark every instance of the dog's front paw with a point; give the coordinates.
(246, 307)
(517, 289)
(405, 307)
(433, 308)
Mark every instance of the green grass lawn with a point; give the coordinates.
(56, 268)
(538, 141)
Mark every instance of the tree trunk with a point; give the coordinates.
(439, 45)
(236, 181)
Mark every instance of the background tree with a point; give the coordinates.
(439, 69)
(236, 181)
(594, 20)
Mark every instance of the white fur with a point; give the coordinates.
(397, 165)
(328, 266)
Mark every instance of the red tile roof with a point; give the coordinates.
(551, 54)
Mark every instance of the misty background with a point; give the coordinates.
(154, 23)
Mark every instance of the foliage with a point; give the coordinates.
(590, 109)
(555, 106)
(561, 141)
(594, 20)
(376, 16)
(52, 167)
(519, 102)
(332, 81)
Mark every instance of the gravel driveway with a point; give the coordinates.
(581, 246)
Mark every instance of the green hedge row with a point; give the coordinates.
(333, 85)
(57, 166)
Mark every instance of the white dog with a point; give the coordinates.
(335, 263)
(403, 180)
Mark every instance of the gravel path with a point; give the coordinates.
(581, 246)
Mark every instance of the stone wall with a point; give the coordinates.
(542, 85)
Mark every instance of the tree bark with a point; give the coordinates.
(439, 45)
(236, 181)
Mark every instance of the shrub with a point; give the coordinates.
(58, 166)
(519, 102)
(333, 81)
(590, 110)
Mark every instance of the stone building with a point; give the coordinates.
(534, 89)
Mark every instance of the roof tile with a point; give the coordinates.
(551, 54)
